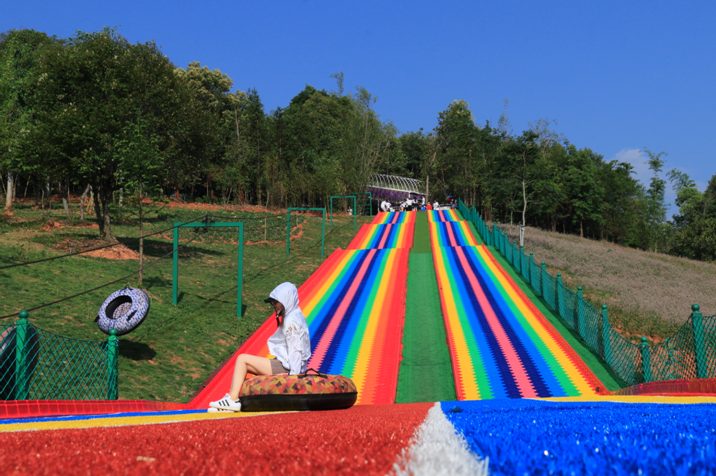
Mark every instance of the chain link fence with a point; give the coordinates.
(38, 365)
(689, 353)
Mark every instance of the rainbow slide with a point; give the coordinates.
(500, 343)
(355, 307)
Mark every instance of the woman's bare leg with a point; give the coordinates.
(247, 363)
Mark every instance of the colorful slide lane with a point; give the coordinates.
(378, 237)
(355, 306)
(501, 345)
(386, 218)
(443, 215)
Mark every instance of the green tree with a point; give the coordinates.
(18, 66)
(89, 94)
(695, 233)
(655, 201)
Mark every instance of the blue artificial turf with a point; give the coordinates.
(530, 437)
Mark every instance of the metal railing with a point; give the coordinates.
(39, 365)
(688, 353)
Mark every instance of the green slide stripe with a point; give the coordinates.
(426, 369)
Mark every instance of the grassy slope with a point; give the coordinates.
(176, 347)
(648, 294)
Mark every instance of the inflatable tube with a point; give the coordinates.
(8, 359)
(266, 393)
(123, 311)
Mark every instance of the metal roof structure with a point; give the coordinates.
(398, 184)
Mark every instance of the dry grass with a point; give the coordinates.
(647, 293)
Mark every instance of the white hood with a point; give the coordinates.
(286, 294)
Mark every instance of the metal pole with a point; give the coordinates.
(175, 266)
(288, 231)
(331, 200)
(323, 234)
(112, 363)
(21, 354)
(240, 279)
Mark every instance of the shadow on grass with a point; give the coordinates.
(136, 350)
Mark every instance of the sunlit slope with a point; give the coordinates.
(355, 306)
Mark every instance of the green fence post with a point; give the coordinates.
(541, 277)
(288, 231)
(607, 343)
(331, 200)
(323, 233)
(21, 387)
(240, 270)
(529, 269)
(557, 301)
(112, 365)
(645, 360)
(697, 321)
(578, 316)
(175, 265)
(516, 265)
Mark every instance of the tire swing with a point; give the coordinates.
(271, 393)
(123, 311)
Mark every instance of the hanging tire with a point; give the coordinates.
(123, 311)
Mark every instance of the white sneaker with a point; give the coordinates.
(226, 404)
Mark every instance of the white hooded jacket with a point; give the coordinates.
(290, 344)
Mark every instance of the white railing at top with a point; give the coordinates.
(399, 184)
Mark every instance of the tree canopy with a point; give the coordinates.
(96, 112)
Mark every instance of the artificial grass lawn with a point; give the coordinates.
(177, 347)
(426, 368)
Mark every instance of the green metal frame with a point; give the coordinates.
(288, 228)
(370, 200)
(240, 278)
(355, 208)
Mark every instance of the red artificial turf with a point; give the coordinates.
(361, 440)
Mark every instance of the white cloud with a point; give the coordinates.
(638, 159)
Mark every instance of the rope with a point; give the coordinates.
(196, 233)
(92, 249)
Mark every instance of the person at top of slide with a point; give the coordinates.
(385, 206)
(290, 344)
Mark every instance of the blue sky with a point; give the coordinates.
(616, 76)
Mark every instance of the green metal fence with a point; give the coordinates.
(38, 365)
(689, 353)
(365, 203)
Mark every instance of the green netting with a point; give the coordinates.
(525, 266)
(258, 226)
(38, 365)
(689, 353)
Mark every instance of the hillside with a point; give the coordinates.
(647, 293)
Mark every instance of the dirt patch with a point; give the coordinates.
(55, 225)
(117, 252)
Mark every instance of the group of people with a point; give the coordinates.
(409, 204)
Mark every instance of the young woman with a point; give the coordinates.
(290, 344)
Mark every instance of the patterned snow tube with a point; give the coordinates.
(123, 311)
(266, 393)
